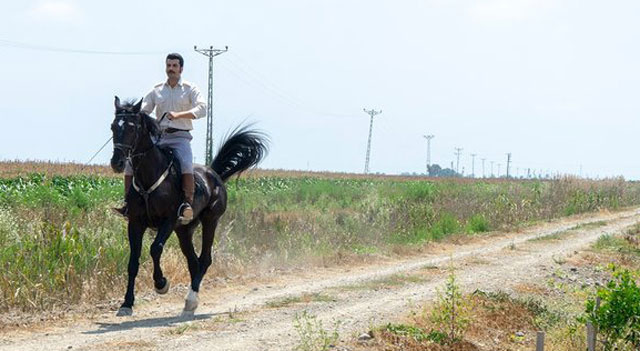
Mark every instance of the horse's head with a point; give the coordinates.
(129, 126)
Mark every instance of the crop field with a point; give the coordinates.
(60, 243)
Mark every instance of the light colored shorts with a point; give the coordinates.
(180, 144)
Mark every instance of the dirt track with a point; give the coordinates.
(259, 316)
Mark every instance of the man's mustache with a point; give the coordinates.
(171, 71)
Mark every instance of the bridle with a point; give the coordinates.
(127, 150)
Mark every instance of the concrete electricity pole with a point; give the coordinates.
(211, 53)
(508, 162)
(370, 113)
(492, 169)
(458, 152)
(498, 170)
(483, 167)
(473, 165)
(428, 137)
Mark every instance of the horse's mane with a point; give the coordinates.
(151, 123)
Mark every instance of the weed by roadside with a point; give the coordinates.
(312, 334)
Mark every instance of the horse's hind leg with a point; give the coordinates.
(208, 233)
(185, 235)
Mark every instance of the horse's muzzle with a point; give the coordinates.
(117, 161)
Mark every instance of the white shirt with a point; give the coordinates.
(183, 97)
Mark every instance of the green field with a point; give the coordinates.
(60, 244)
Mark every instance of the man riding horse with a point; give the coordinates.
(176, 103)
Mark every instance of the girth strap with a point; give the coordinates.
(145, 193)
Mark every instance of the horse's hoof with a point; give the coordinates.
(164, 289)
(190, 302)
(124, 312)
(187, 314)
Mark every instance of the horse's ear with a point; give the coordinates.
(137, 106)
(117, 103)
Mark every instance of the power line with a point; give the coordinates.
(370, 113)
(273, 88)
(20, 45)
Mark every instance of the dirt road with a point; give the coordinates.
(261, 315)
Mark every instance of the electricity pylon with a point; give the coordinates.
(211, 53)
(428, 137)
(370, 113)
(473, 165)
(458, 152)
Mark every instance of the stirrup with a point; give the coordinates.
(122, 211)
(185, 213)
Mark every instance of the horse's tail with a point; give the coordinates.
(242, 149)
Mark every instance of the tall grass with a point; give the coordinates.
(60, 244)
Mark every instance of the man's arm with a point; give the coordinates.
(198, 109)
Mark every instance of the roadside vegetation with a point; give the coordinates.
(600, 286)
(60, 244)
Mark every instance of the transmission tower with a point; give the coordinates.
(483, 167)
(458, 152)
(492, 169)
(499, 170)
(428, 137)
(473, 165)
(508, 163)
(370, 113)
(210, 53)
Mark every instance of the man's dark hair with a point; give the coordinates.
(176, 56)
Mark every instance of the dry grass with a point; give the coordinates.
(125, 346)
(495, 320)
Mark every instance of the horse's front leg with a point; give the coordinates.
(160, 283)
(135, 231)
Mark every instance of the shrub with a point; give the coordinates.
(478, 224)
(452, 313)
(618, 316)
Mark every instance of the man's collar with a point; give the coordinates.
(179, 82)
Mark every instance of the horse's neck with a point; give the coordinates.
(148, 168)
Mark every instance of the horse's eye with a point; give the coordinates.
(120, 123)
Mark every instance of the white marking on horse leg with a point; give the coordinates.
(190, 301)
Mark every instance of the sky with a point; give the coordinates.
(553, 82)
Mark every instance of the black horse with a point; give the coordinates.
(154, 198)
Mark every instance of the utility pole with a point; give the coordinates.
(473, 165)
(210, 53)
(458, 152)
(370, 113)
(428, 137)
(508, 162)
(492, 169)
(498, 170)
(483, 167)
